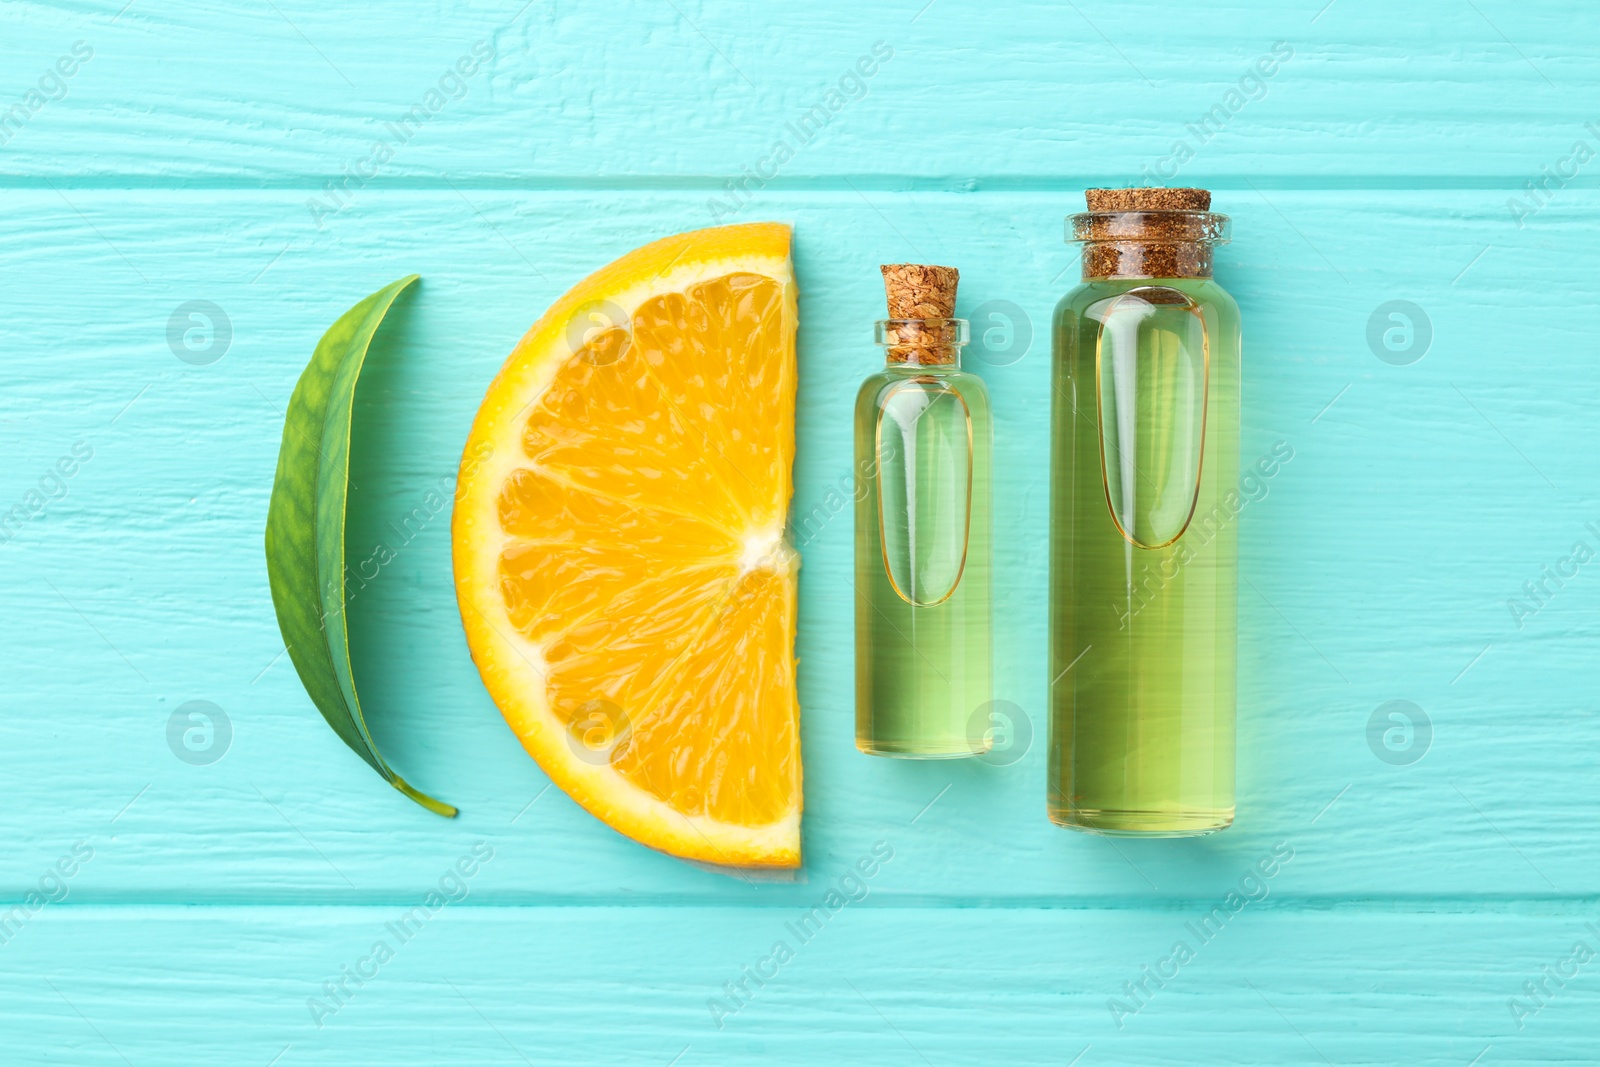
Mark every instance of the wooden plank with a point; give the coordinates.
(1420, 546)
(867, 983)
(291, 94)
(1380, 561)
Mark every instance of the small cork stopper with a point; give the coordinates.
(921, 291)
(1153, 245)
(1146, 199)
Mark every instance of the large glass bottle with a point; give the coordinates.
(922, 446)
(1144, 538)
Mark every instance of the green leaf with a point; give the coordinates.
(305, 528)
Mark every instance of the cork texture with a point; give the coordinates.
(1143, 260)
(924, 296)
(920, 291)
(1146, 199)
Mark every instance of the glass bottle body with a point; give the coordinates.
(922, 563)
(1144, 557)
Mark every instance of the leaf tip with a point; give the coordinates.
(438, 807)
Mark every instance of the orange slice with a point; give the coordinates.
(620, 563)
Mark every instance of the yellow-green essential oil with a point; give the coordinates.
(922, 551)
(1144, 546)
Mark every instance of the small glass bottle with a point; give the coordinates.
(1143, 530)
(922, 447)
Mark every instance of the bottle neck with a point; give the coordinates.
(1146, 259)
(1147, 244)
(931, 358)
(923, 343)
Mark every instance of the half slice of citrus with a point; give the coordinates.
(620, 563)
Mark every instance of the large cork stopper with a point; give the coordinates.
(1148, 199)
(924, 296)
(1147, 233)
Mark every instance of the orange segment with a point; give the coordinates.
(623, 581)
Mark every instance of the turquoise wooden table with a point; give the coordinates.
(204, 192)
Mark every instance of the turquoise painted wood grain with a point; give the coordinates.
(1375, 165)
